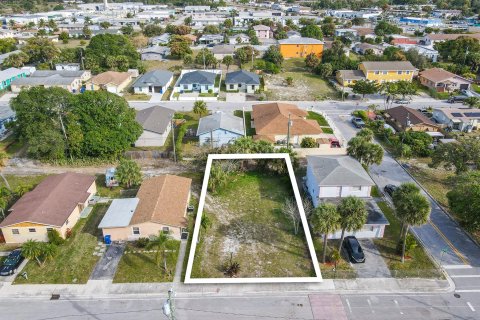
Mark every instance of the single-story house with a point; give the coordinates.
(67, 66)
(157, 123)
(9, 75)
(161, 40)
(442, 80)
(55, 203)
(243, 81)
(219, 129)
(69, 80)
(160, 206)
(221, 50)
(211, 39)
(333, 177)
(349, 77)
(458, 119)
(349, 33)
(156, 81)
(407, 119)
(197, 80)
(270, 121)
(363, 48)
(110, 81)
(157, 53)
(239, 38)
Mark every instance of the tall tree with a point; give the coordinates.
(227, 61)
(464, 199)
(353, 216)
(364, 87)
(312, 31)
(273, 55)
(362, 148)
(159, 243)
(128, 173)
(105, 48)
(459, 155)
(411, 207)
(325, 220)
(40, 50)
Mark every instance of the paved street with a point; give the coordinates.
(313, 306)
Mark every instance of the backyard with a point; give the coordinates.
(75, 258)
(249, 227)
(306, 85)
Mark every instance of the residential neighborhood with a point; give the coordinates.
(239, 159)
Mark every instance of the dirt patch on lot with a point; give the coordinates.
(305, 86)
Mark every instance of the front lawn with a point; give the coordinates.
(322, 122)
(417, 263)
(136, 97)
(74, 261)
(249, 227)
(138, 265)
(248, 121)
(342, 270)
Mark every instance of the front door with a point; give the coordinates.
(184, 234)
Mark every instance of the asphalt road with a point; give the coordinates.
(313, 306)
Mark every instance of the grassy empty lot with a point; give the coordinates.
(139, 266)
(417, 263)
(249, 226)
(306, 86)
(74, 261)
(72, 43)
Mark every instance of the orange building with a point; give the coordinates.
(300, 47)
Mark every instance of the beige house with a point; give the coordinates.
(160, 206)
(56, 203)
(110, 81)
(443, 81)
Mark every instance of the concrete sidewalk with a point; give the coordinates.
(96, 289)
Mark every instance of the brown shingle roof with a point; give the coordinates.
(272, 119)
(415, 117)
(163, 200)
(117, 78)
(438, 75)
(52, 201)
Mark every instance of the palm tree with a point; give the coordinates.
(411, 207)
(353, 216)
(31, 249)
(49, 250)
(228, 61)
(325, 220)
(128, 173)
(159, 243)
(200, 108)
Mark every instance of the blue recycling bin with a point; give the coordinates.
(108, 239)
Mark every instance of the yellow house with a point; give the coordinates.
(348, 78)
(56, 203)
(300, 47)
(388, 71)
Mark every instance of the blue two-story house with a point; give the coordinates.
(219, 129)
(10, 74)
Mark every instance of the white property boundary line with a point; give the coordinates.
(313, 255)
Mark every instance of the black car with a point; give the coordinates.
(354, 250)
(390, 189)
(11, 264)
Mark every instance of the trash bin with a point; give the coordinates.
(108, 239)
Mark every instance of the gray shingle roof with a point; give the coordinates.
(119, 213)
(220, 120)
(339, 171)
(155, 77)
(200, 77)
(155, 119)
(242, 76)
(388, 65)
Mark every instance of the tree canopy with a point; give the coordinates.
(458, 156)
(464, 199)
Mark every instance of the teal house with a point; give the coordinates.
(10, 74)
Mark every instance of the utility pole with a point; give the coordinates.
(288, 130)
(244, 125)
(173, 140)
(168, 306)
(203, 53)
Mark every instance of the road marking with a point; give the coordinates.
(348, 305)
(468, 290)
(466, 276)
(449, 243)
(457, 266)
(398, 306)
(470, 306)
(370, 305)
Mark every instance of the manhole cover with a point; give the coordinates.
(456, 295)
(55, 297)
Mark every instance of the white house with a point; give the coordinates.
(156, 81)
(157, 123)
(202, 81)
(238, 39)
(243, 81)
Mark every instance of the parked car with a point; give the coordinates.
(457, 99)
(390, 189)
(354, 249)
(358, 122)
(401, 101)
(12, 262)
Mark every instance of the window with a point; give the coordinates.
(166, 230)
(49, 229)
(232, 86)
(15, 231)
(66, 222)
(32, 230)
(136, 230)
(185, 86)
(407, 72)
(377, 72)
(356, 188)
(385, 72)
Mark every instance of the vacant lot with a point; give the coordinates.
(248, 226)
(75, 260)
(305, 86)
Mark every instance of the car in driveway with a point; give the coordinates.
(401, 101)
(459, 98)
(354, 249)
(390, 189)
(358, 122)
(12, 262)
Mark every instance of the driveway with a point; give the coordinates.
(374, 266)
(235, 97)
(107, 265)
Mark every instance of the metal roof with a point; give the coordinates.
(220, 120)
(119, 213)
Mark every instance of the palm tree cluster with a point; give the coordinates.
(39, 251)
(362, 148)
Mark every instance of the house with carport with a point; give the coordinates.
(56, 203)
(160, 206)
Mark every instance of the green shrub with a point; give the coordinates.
(54, 237)
(410, 244)
(142, 242)
(308, 142)
(179, 141)
(361, 114)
